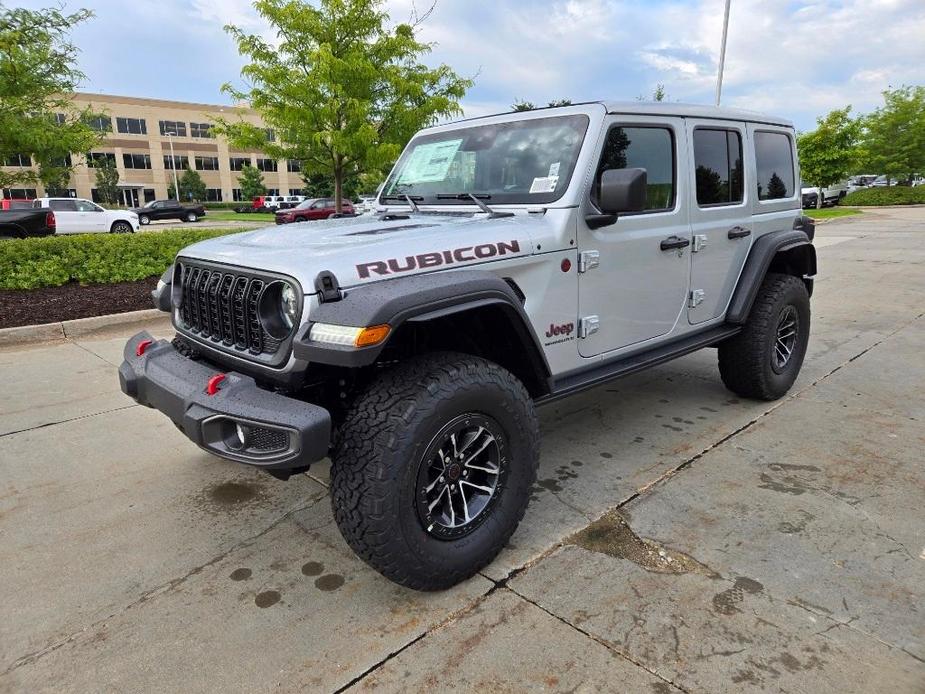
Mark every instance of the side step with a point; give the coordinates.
(601, 372)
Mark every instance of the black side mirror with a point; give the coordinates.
(622, 190)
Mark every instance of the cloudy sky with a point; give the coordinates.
(797, 58)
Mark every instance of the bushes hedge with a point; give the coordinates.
(92, 258)
(894, 195)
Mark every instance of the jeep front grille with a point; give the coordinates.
(221, 306)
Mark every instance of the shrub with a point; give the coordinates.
(894, 195)
(92, 258)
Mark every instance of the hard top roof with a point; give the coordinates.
(666, 108)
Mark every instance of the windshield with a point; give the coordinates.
(528, 161)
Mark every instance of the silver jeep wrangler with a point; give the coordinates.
(512, 260)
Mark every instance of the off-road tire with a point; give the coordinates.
(378, 453)
(746, 360)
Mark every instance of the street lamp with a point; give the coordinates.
(173, 164)
(722, 54)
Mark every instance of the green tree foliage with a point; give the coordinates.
(828, 153)
(893, 141)
(658, 94)
(522, 105)
(192, 187)
(107, 181)
(251, 182)
(344, 90)
(37, 75)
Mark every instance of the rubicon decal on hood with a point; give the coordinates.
(437, 258)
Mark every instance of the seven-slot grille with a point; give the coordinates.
(222, 307)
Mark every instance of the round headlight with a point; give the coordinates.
(289, 305)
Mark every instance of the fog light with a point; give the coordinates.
(239, 441)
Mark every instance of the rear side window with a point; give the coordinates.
(774, 161)
(63, 205)
(649, 148)
(718, 162)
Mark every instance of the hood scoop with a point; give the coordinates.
(385, 230)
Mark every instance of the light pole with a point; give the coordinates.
(173, 165)
(722, 54)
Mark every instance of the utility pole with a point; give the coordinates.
(722, 54)
(173, 165)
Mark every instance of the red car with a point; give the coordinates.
(15, 204)
(317, 208)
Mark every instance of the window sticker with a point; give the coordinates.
(553, 169)
(429, 163)
(546, 184)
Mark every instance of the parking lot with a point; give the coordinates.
(678, 538)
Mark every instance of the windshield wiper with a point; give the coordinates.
(477, 199)
(409, 199)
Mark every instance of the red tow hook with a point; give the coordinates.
(142, 347)
(212, 385)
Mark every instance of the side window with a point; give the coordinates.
(649, 148)
(86, 206)
(63, 205)
(774, 160)
(718, 162)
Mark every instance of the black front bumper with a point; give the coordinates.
(279, 432)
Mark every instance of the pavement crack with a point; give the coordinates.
(31, 658)
(70, 419)
(90, 351)
(606, 644)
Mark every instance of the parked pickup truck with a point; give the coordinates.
(21, 223)
(168, 209)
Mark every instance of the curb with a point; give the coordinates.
(80, 327)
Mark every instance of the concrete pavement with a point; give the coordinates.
(134, 562)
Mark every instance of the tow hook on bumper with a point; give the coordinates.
(230, 417)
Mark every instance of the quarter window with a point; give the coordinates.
(648, 148)
(718, 162)
(774, 160)
(132, 126)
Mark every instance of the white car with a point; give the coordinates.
(77, 216)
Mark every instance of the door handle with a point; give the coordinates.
(673, 242)
(739, 232)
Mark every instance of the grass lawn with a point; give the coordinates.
(831, 212)
(232, 216)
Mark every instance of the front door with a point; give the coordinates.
(633, 274)
(720, 214)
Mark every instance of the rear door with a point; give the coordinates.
(67, 218)
(633, 274)
(720, 214)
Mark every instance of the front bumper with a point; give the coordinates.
(278, 432)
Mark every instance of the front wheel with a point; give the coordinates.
(121, 228)
(432, 468)
(764, 360)
(144, 220)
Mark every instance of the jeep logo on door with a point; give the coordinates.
(423, 261)
(556, 330)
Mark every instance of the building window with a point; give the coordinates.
(293, 166)
(718, 162)
(200, 129)
(136, 161)
(60, 118)
(132, 126)
(213, 194)
(20, 160)
(272, 191)
(149, 194)
(102, 124)
(61, 192)
(206, 163)
(172, 127)
(267, 164)
(94, 159)
(19, 193)
(62, 162)
(177, 162)
(295, 191)
(774, 160)
(238, 163)
(236, 195)
(649, 148)
(271, 134)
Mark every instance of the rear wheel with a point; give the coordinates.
(432, 468)
(121, 228)
(764, 360)
(191, 217)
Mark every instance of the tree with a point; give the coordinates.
(107, 180)
(251, 182)
(658, 94)
(777, 188)
(828, 153)
(521, 105)
(893, 140)
(344, 91)
(37, 76)
(192, 187)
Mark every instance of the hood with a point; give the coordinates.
(368, 249)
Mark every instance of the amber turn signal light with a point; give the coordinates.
(368, 337)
